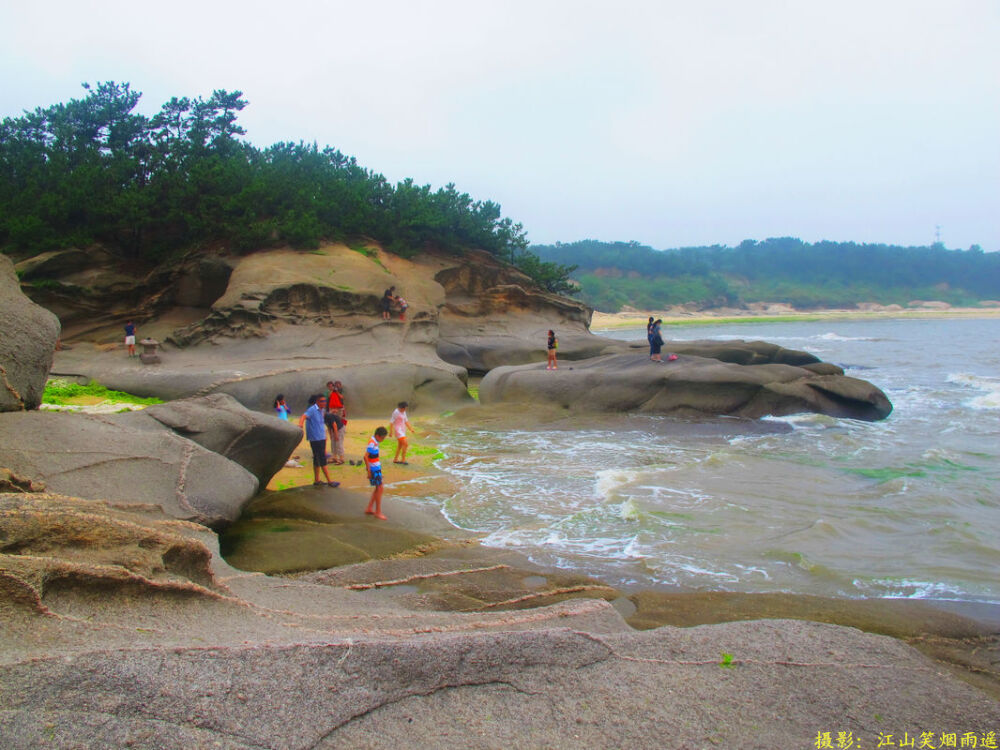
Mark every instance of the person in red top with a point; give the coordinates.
(335, 419)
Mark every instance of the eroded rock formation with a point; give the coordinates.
(28, 335)
(690, 386)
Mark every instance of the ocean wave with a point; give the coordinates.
(991, 385)
(837, 337)
(609, 481)
(890, 588)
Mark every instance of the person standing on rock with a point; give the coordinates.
(280, 407)
(334, 418)
(130, 337)
(400, 424)
(552, 344)
(387, 299)
(656, 343)
(374, 466)
(649, 335)
(316, 435)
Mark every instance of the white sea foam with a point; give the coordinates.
(907, 589)
(610, 481)
(629, 511)
(991, 386)
(837, 337)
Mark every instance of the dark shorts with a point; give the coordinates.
(330, 418)
(375, 479)
(319, 452)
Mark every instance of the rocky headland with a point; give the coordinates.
(283, 321)
(125, 626)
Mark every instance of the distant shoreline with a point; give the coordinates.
(610, 321)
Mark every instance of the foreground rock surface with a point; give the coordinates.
(28, 335)
(688, 387)
(124, 628)
(98, 457)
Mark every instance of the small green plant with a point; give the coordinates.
(474, 391)
(363, 249)
(280, 528)
(727, 661)
(46, 284)
(318, 252)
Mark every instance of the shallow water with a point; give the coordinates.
(907, 507)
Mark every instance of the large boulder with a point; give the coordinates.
(95, 457)
(688, 387)
(28, 338)
(260, 443)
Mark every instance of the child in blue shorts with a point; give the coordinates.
(374, 465)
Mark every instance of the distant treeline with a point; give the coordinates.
(93, 171)
(784, 269)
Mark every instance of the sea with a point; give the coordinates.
(908, 507)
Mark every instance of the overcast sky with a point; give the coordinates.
(670, 123)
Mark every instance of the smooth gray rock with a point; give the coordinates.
(28, 335)
(258, 442)
(557, 688)
(99, 458)
(689, 386)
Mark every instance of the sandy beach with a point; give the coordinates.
(609, 321)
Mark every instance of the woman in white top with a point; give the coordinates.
(400, 424)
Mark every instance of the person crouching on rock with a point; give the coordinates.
(400, 424)
(552, 345)
(316, 435)
(374, 466)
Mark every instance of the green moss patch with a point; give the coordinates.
(64, 392)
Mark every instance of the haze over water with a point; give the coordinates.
(907, 507)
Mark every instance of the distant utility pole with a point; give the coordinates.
(937, 234)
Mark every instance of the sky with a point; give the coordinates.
(668, 123)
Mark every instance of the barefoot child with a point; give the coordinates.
(400, 424)
(374, 466)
